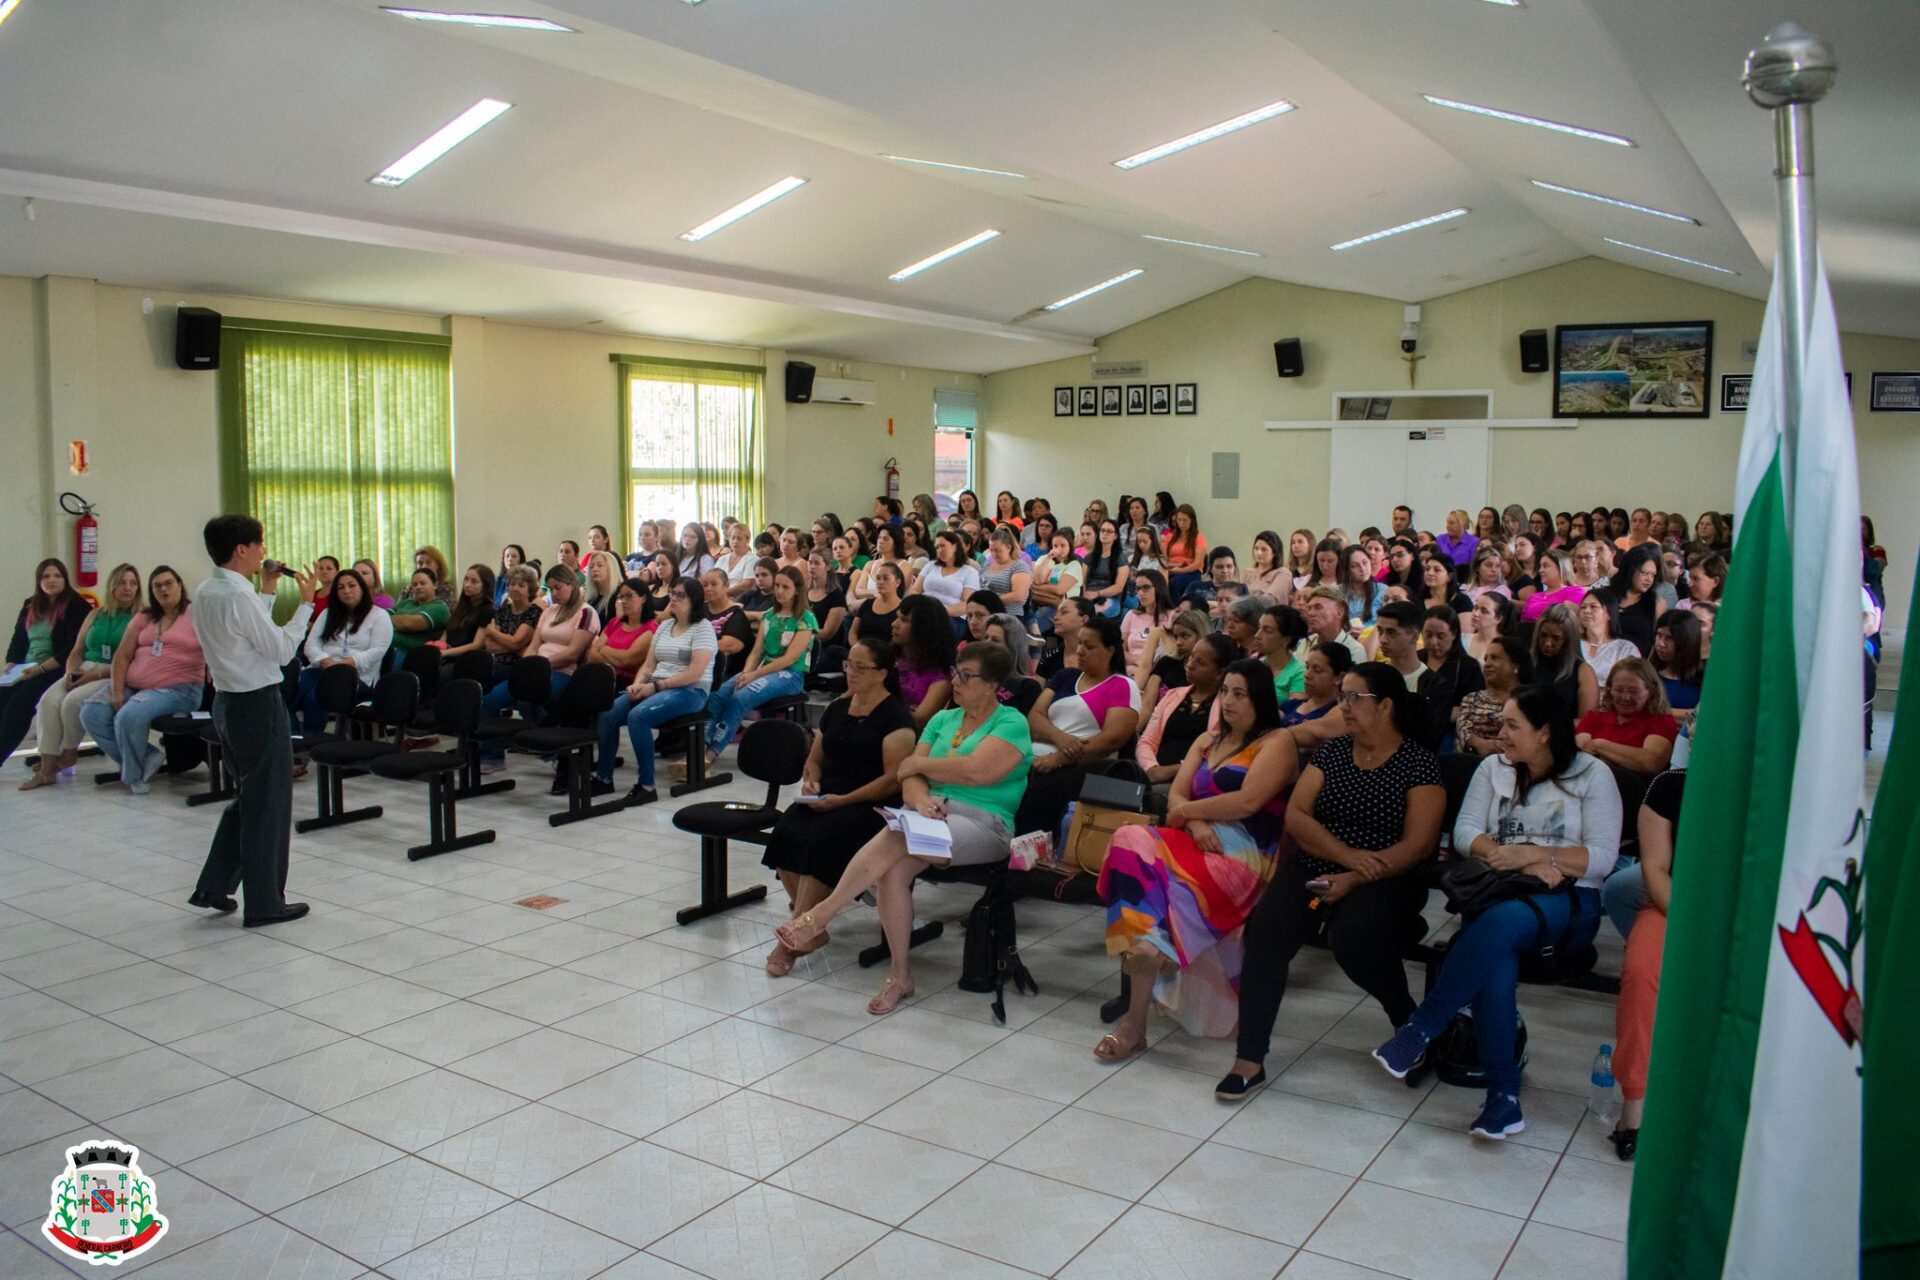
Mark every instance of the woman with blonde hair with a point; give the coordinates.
(88, 663)
(604, 576)
(435, 559)
(1457, 544)
(1300, 545)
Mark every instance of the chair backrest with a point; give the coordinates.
(475, 665)
(396, 699)
(424, 664)
(531, 680)
(589, 693)
(1456, 772)
(289, 689)
(775, 751)
(456, 707)
(339, 689)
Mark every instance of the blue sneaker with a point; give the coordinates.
(1500, 1118)
(1407, 1050)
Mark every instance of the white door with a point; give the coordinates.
(1431, 467)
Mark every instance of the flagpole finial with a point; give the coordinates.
(1791, 67)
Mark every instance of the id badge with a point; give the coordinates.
(159, 646)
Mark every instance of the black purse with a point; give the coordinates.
(1472, 886)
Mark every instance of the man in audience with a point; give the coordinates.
(1402, 521)
(1326, 614)
(1222, 572)
(1396, 633)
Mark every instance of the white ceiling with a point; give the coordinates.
(225, 146)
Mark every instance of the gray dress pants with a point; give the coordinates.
(250, 844)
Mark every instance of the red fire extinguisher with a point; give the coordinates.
(893, 479)
(86, 539)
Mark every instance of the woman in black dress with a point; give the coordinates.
(852, 770)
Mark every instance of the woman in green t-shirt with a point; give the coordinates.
(420, 617)
(776, 666)
(970, 770)
(90, 662)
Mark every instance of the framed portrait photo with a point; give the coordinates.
(1136, 399)
(1089, 401)
(1109, 401)
(1063, 402)
(1186, 397)
(1160, 398)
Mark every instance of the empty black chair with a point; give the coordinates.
(530, 682)
(771, 751)
(571, 733)
(788, 706)
(395, 700)
(475, 665)
(456, 712)
(691, 729)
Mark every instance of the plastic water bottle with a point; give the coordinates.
(1604, 1103)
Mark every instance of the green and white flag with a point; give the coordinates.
(1749, 1163)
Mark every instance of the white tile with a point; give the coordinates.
(72, 1047)
(900, 1254)
(933, 1040)
(678, 1190)
(966, 1116)
(262, 1248)
(1295, 1198)
(1314, 1266)
(1057, 1070)
(765, 1231)
(737, 1050)
(424, 1110)
(289, 1164)
(471, 972)
(1018, 1218)
(722, 986)
(399, 952)
(67, 963)
(637, 1021)
(148, 980)
(641, 963)
(195, 1212)
(1549, 1253)
(876, 1174)
(750, 1133)
(817, 1009)
(359, 1009)
(187, 1013)
(1352, 1079)
(378, 1216)
(1551, 1117)
(451, 1032)
(240, 1047)
(639, 1097)
(526, 1149)
(645, 1266)
(1099, 1152)
(845, 1082)
(515, 1243)
(193, 1124)
(560, 942)
(550, 997)
(26, 1117)
(237, 954)
(1588, 1195)
(1148, 1242)
(324, 1078)
(1503, 1176)
(1411, 1235)
(1164, 1097)
(485, 925)
(540, 1062)
(307, 978)
(1308, 1131)
(30, 1011)
(151, 1075)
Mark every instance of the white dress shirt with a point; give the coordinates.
(244, 650)
(366, 646)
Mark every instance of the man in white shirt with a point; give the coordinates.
(1396, 636)
(1325, 610)
(245, 653)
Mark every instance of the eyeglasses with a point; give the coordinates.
(1348, 697)
(963, 676)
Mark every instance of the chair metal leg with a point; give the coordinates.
(333, 812)
(921, 935)
(220, 783)
(580, 806)
(470, 784)
(698, 779)
(714, 897)
(442, 824)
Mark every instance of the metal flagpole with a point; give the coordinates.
(1790, 71)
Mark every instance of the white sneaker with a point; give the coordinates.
(492, 766)
(156, 758)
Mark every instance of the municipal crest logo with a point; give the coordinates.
(103, 1207)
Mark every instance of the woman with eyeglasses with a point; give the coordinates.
(671, 682)
(1177, 891)
(1364, 819)
(969, 771)
(626, 637)
(1109, 576)
(159, 670)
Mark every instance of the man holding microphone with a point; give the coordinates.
(245, 653)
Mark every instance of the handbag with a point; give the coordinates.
(1472, 886)
(1091, 831)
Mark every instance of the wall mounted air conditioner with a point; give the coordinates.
(842, 391)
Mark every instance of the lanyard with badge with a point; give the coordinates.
(159, 639)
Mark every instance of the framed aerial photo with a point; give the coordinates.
(1632, 370)
(1186, 397)
(1063, 402)
(1089, 401)
(1734, 390)
(1895, 393)
(1160, 397)
(1110, 400)
(1136, 398)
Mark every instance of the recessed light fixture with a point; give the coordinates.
(1070, 299)
(957, 168)
(1195, 244)
(1673, 257)
(952, 251)
(7, 7)
(1402, 229)
(758, 200)
(1207, 134)
(1618, 204)
(444, 139)
(477, 19)
(1512, 117)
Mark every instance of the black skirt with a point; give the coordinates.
(809, 842)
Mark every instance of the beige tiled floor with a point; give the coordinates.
(423, 1079)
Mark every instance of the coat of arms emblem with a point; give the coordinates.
(103, 1207)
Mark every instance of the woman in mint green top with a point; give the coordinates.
(969, 772)
(90, 662)
(776, 667)
(422, 616)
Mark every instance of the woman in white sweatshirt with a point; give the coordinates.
(351, 632)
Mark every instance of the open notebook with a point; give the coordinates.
(926, 837)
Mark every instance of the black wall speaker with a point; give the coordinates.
(196, 338)
(799, 382)
(1287, 358)
(1533, 351)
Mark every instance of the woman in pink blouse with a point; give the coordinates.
(158, 670)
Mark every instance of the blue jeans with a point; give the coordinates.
(1482, 969)
(123, 735)
(499, 702)
(1624, 894)
(313, 717)
(641, 719)
(732, 700)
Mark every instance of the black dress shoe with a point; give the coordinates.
(213, 902)
(1625, 1142)
(289, 911)
(638, 795)
(1234, 1087)
(601, 786)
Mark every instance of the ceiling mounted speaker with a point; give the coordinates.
(1287, 358)
(196, 338)
(1533, 351)
(799, 382)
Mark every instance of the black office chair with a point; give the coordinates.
(456, 712)
(691, 732)
(571, 734)
(395, 700)
(773, 752)
(530, 681)
(475, 665)
(181, 737)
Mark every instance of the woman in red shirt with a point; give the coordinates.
(1633, 726)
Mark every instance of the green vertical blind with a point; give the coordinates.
(694, 440)
(339, 440)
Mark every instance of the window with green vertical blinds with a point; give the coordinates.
(692, 436)
(339, 440)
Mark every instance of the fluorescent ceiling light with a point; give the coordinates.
(1207, 134)
(1068, 301)
(7, 7)
(1511, 4)
(958, 168)
(1515, 118)
(758, 200)
(1674, 257)
(476, 19)
(953, 251)
(1618, 204)
(1195, 244)
(444, 139)
(1402, 229)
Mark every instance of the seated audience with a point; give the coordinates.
(1523, 571)
(1083, 716)
(1488, 574)
(1056, 576)
(1543, 808)
(660, 575)
(1315, 716)
(969, 770)
(1184, 711)
(325, 570)
(1063, 649)
(1705, 581)
(1363, 591)
(505, 636)
(1302, 557)
(1149, 617)
(1005, 574)
(1109, 576)
(1006, 510)
(354, 633)
(1639, 605)
(604, 573)
(1184, 550)
(1220, 581)
(1557, 662)
(1633, 727)
(873, 618)
(1325, 571)
(370, 579)
(1676, 656)
(422, 617)
(1556, 584)
(627, 634)
(1438, 587)
(671, 682)
(950, 578)
(1172, 643)
(1451, 674)
(1492, 617)
(158, 670)
(1588, 569)
(758, 598)
(776, 666)
(87, 664)
(1506, 665)
(1599, 616)
(1144, 552)
(923, 647)
(1240, 624)
(1456, 544)
(435, 559)
(1268, 575)
(1326, 614)
(731, 627)
(44, 634)
(826, 598)
(1177, 894)
(695, 557)
(1646, 946)
(561, 635)
(512, 556)
(1277, 643)
(472, 607)
(738, 560)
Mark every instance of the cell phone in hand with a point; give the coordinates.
(1320, 885)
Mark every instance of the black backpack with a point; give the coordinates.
(991, 957)
(1455, 1053)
